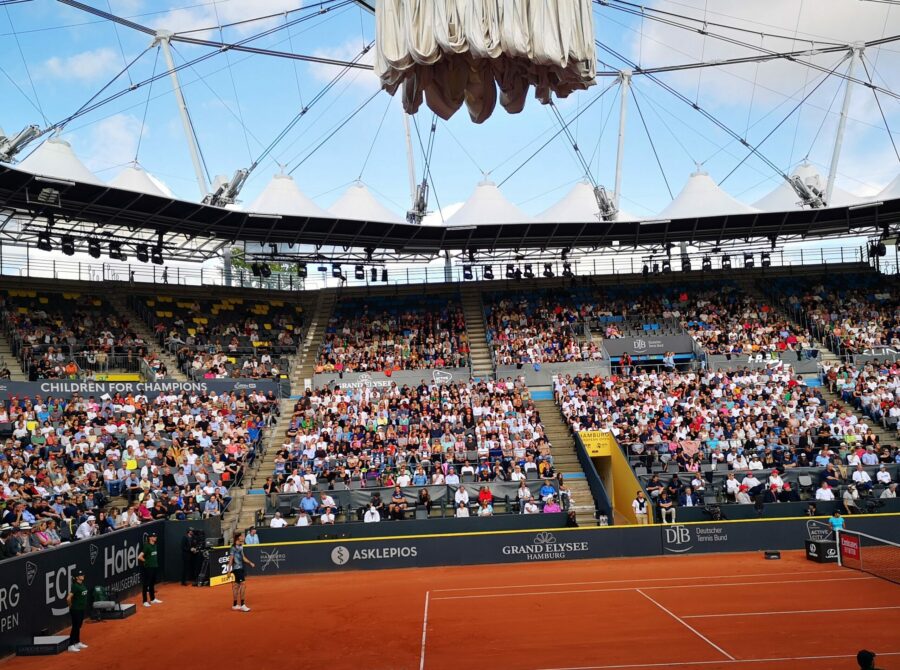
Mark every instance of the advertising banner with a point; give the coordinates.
(376, 380)
(598, 443)
(85, 389)
(648, 345)
(34, 587)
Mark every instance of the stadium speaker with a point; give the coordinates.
(359, 272)
(374, 274)
(265, 270)
(336, 271)
(518, 274)
(666, 266)
(726, 262)
(510, 271)
(707, 263)
(301, 270)
(646, 270)
(656, 268)
(772, 555)
(68, 245)
(94, 248)
(322, 268)
(686, 264)
(384, 275)
(567, 270)
(548, 270)
(255, 269)
(142, 253)
(467, 272)
(116, 253)
(44, 242)
(748, 261)
(156, 256)
(765, 259)
(880, 249)
(488, 272)
(529, 271)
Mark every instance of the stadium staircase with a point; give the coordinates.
(141, 328)
(9, 359)
(565, 460)
(245, 507)
(479, 351)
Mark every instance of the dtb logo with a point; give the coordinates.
(678, 539)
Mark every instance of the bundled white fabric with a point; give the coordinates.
(447, 52)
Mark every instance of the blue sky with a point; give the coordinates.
(71, 55)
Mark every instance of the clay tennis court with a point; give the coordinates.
(723, 611)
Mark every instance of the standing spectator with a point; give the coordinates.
(639, 504)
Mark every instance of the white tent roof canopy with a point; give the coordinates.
(487, 204)
(577, 206)
(282, 196)
(701, 196)
(890, 191)
(135, 178)
(55, 158)
(358, 204)
(783, 198)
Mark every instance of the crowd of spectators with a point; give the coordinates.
(410, 436)
(539, 328)
(388, 334)
(854, 314)
(56, 335)
(64, 460)
(872, 387)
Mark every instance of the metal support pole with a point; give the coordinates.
(855, 53)
(448, 268)
(624, 88)
(410, 162)
(162, 38)
(226, 264)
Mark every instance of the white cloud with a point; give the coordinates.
(109, 143)
(364, 80)
(840, 21)
(224, 12)
(85, 66)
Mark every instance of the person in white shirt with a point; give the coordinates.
(87, 528)
(277, 521)
(462, 511)
(639, 505)
(531, 507)
(824, 492)
(883, 477)
(327, 518)
(861, 478)
(461, 496)
(403, 479)
(437, 477)
(732, 486)
(889, 492)
(372, 515)
(303, 519)
(452, 479)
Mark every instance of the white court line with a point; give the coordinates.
(723, 662)
(424, 631)
(654, 588)
(842, 609)
(687, 625)
(639, 579)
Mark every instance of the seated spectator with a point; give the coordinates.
(327, 517)
(485, 508)
(824, 492)
(303, 519)
(462, 511)
(372, 515)
(551, 506)
(398, 505)
(424, 500)
(277, 521)
(688, 498)
(666, 507)
(530, 506)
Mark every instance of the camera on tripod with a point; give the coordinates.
(198, 538)
(873, 505)
(715, 512)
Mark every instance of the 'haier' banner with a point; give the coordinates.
(65, 389)
(34, 587)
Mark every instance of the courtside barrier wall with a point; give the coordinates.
(550, 544)
(34, 587)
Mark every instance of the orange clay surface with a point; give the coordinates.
(716, 611)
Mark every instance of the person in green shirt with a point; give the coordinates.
(77, 601)
(149, 561)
